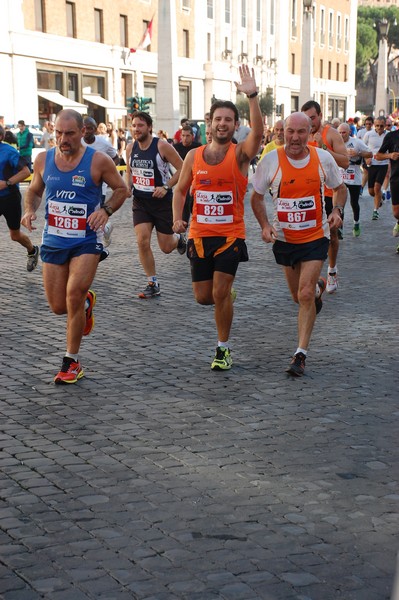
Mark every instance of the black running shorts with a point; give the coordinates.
(288, 255)
(157, 211)
(376, 175)
(10, 208)
(211, 254)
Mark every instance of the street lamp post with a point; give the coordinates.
(381, 95)
(306, 87)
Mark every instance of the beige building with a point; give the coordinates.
(57, 53)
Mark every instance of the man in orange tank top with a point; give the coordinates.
(296, 174)
(218, 175)
(328, 138)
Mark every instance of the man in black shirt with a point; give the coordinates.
(182, 148)
(390, 149)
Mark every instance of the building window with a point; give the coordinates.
(272, 16)
(227, 11)
(39, 15)
(209, 9)
(185, 4)
(123, 31)
(329, 70)
(186, 44)
(337, 77)
(93, 85)
(314, 22)
(150, 91)
(346, 34)
(49, 80)
(339, 33)
(321, 74)
(98, 26)
(258, 14)
(293, 63)
(322, 26)
(208, 47)
(294, 104)
(71, 19)
(345, 72)
(294, 29)
(146, 40)
(243, 13)
(73, 86)
(330, 29)
(184, 101)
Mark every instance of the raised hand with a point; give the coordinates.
(248, 83)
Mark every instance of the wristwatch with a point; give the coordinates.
(108, 210)
(8, 183)
(166, 187)
(341, 210)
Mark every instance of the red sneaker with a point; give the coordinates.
(91, 297)
(71, 371)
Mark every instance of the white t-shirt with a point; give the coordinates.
(102, 145)
(374, 140)
(266, 170)
(268, 176)
(353, 175)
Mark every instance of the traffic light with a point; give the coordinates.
(145, 104)
(133, 104)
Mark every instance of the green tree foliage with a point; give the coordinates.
(367, 37)
(266, 104)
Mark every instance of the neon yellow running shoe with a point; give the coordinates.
(222, 360)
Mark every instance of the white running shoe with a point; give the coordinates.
(107, 234)
(332, 282)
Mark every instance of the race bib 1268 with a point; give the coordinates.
(67, 219)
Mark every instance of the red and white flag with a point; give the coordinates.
(146, 39)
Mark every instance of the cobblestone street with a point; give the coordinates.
(154, 478)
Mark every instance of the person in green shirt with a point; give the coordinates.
(25, 143)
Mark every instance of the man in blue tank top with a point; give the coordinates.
(148, 162)
(72, 176)
(13, 170)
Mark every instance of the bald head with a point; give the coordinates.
(278, 131)
(296, 132)
(298, 119)
(344, 130)
(69, 113)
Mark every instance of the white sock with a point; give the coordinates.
(73, 356)
(153, 279)
(332, 269)
(305, 352)
(223, 345)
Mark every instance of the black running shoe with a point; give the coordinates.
(151, 291)
(320, 287)
(32, 259)
(297, 366)
(182, 244)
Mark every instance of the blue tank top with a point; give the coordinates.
(148, 170)
(70, 198)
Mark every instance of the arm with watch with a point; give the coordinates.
(104, 169)
(22, 173)
(339, 201)
(168, 154)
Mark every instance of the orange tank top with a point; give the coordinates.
(218, 192)
(299, 202)
(327, 191)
